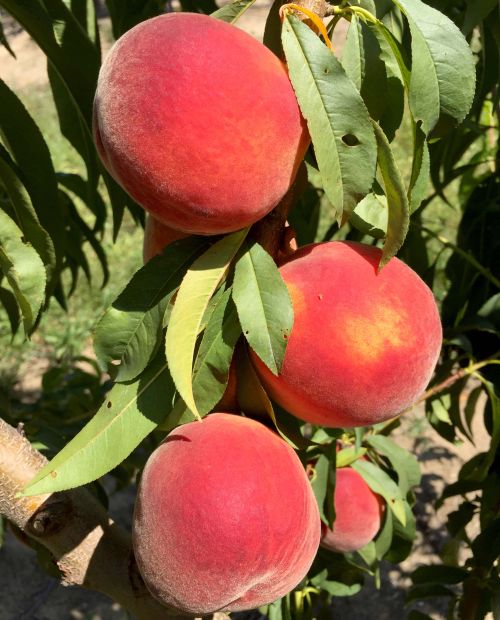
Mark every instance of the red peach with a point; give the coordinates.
(225, 517)
(157, 236)
(358, 513)
(198, 122)
(363, 345)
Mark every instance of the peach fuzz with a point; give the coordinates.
(198, 122)
(358, 513)
(157, 236)
(363, 344)
(225, 517)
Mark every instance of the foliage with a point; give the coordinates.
(384, 119)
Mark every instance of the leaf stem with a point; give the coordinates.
(316, 20)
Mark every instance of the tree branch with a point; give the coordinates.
(88, 548)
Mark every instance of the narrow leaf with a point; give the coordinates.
(397, 202)
(404, 463)
(381, 483)
(211, 369)
(443, 74)
(336, 115)
(29, 151)
(8, 301)
(198, 286)
(421, 169)
(129, 330)
(264, 305)
(26, 216)
(232, 11)
(24, 270)
(129, 413)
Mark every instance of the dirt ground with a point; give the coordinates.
(27, 593)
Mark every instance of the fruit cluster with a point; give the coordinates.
(200, 124)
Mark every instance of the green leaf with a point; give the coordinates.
(443, 73)
(320, 484)
(486, 547)
(78, 186)
(272, 30)
(439, 573)
(371, 215)
(337, 588)
(129, 413)
(476, 12)
(264, 305)
(211, 368)
(428, 591)
(380, 483)
(26, 216)
(66, 45)
(24, 270)
(8, 301)
(347, 456)
(421, 169)
(336, 115)
(28, 150)
(404, 463)
(383, 541)
(364, 64)
(129, 331)
(397, 202)
(198, 286)
(232, 11)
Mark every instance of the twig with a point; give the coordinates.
(452, 379)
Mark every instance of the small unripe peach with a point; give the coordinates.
(198, 122)
(225, 517)
(358, 513)
(364, 343)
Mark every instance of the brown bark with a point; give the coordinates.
(88, 548)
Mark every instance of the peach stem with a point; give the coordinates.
(317, 21)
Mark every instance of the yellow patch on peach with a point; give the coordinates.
(369, 335)
(297, 297)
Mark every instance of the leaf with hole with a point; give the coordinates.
(337, 118)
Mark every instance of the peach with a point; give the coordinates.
(157, 236)
(358, 513)
(363, 345)
(198, 122)
(225, 517)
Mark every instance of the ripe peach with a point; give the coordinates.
(225, 517)
(358, 513)
(198, 122)
(363, 344)
(157, 236)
